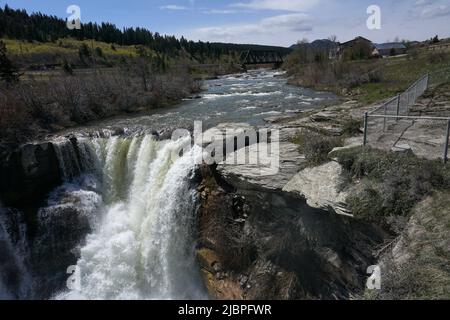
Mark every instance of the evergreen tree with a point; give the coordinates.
(8, 72)
(18, 24)
(67, 67)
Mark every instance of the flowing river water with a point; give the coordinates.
(137, 202)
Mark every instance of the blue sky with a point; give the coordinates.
(273, 22)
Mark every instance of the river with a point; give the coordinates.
(249, 97)
(132, 204)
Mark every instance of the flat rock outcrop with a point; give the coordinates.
(272, 174)
(320, 187)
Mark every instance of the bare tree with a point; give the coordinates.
(333, 38)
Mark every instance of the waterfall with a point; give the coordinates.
(142, 240)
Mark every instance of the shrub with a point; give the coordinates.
(376, 76)
(315, 146)
(366, 203)
(67, 67)
(99, 52)
(425, 273)
(84, 51)
(351, 127)
(34, 106)
(437, 57)
(15, 121)
(413, 54)
(391, 183)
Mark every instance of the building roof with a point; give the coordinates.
(390, 45)
(355, 40)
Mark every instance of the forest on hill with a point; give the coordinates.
(20, 25)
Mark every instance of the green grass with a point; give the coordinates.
(65, 47)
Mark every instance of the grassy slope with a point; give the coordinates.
(65, 47)
(26, 54)
(420, 266)
(393, 75)
(399, 73)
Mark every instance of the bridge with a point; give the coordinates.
(257, 57)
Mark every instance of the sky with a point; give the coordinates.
(269, 22)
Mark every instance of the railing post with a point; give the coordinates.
(366, 120)
(447, 134)
(409, 102)
(415, 93)
(398, 107)
(384, 121)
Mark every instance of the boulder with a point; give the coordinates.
(401, 147)
(323, 116)
(262, 171)
(320, 187)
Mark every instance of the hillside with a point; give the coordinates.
(44, 39)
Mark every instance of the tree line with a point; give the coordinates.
(18, 24)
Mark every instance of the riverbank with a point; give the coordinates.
(34, 108)
(367, 81)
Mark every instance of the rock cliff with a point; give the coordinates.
(259, 242)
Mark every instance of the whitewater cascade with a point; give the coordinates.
(142, 244)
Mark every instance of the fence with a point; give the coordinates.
(396, 110)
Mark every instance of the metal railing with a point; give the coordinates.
(398, 108)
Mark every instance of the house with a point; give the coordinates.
(390, 49)
(355, 42)
(358, 48)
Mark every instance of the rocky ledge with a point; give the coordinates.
(280, 234)
(266, 243)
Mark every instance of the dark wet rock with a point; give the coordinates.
(282, 247)
(28, 173)
(61, 230)
(15, 282)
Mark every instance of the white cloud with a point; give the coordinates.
(174, 7)
(219, 11)
(275, 27)
(280, 5)
(423, 3)
(435, 11)
(291, 22)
